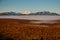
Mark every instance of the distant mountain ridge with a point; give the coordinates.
(37, 13)
(10, 13)
(44, 13)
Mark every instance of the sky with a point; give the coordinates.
(30, 5)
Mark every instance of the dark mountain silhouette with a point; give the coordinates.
(37, 13)
(10, 13)
(44, 13)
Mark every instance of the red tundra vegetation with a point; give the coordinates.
(19, 29)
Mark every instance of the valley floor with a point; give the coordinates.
(19, 29)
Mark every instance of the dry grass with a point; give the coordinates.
(15, 29)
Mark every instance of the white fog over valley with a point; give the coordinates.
(33, 17)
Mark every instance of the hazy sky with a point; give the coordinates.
(31, 5)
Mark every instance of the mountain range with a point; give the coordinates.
(37, 13)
